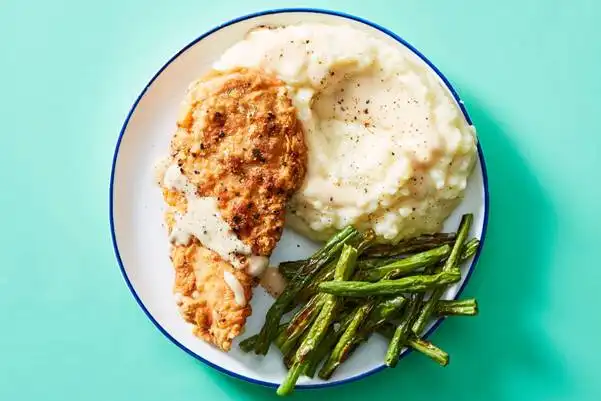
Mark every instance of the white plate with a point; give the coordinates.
(136, 205)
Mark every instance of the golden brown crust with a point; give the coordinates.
(238, 140)
(208, 303)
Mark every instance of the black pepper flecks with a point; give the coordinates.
(258, 155)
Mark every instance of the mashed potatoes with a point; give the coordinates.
(388, 148)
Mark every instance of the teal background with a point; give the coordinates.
(529, 72)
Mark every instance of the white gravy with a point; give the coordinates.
(203, 221)
(257, 265)
(236, 287)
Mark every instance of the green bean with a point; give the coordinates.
(344, 269)
(402, 331)
(451, 264)
(308, 271)
(287, 386)
(409, 264)
(412, 245)
(390, 287)
(467, 307)
(345, 342)
(418, 344)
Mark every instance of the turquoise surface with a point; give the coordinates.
(529, 72)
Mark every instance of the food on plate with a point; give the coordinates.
(353, 304)
(317, 261)
(450, 265)
(389, 149)
(403, 331)
(344, 270)
(402, 267)
(419, 283)
(412, 245)
(237, 156)
(372, 268)
(418, 315)
(467, 307)
(349, 140)
(273, 282)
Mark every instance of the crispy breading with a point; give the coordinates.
(238, 140)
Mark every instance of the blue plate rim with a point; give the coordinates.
(210, 32)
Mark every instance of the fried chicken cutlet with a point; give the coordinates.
(237, 156)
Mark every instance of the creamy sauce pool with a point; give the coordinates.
(388, 147)
(273, 282)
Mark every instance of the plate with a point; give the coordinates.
(136, 206)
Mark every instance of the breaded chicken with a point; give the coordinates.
(238, 140)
